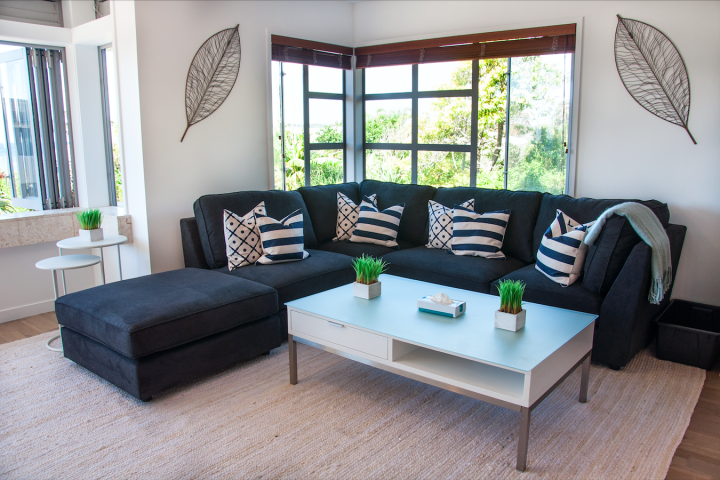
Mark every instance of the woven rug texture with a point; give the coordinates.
(344, 420)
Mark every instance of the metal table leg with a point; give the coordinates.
(524, 439)
(62, 274)
(584, 380)
(292, 350)
(119, 261)
(102, 266)
(55, 288)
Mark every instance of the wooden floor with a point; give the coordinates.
(697, 457)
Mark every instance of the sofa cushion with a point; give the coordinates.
(359, 249)
(321, 203)
(143, 315)
(523, 208)
(319, 272)
(414, 223)
(540, 289)
(209, 215)
(606, 257)
(438, 266)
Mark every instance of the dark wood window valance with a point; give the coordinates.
(308, 52)
(510, 43)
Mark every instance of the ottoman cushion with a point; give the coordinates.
(149, 314)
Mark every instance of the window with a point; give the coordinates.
(308, 97)
(499, 121)
(36, 161)
(110, 125)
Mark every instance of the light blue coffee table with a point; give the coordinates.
(466, 355)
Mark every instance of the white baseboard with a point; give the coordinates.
(17, 313)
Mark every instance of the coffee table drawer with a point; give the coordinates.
(340, 334)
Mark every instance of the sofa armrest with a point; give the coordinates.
(191, 245)
(625, 325)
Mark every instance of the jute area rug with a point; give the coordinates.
(344, 420)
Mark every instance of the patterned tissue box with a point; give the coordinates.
(454, 309)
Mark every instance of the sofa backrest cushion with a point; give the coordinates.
(523, 208)
(209, 215)
(321, 203)
(414, 223)
(606, 257)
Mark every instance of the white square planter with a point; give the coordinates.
(509, 321)
(366, 291)
(91, 235)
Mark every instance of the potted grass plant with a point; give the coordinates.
(90, 221)
(367, 274)
(511, 315)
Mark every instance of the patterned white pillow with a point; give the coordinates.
(441, 224)
(374, 226)
(479, 234)
(562, 251)
(242, 237)
(282, 240)
(347, 218)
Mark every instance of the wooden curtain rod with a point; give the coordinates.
(550, 31)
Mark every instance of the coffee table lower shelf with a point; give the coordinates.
(505, 387)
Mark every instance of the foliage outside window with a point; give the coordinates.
(441, 153)
(308, 102)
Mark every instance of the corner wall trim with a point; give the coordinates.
(23, 311)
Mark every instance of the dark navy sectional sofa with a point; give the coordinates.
(617, 269)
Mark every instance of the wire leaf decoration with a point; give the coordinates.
(653, 71)
(212, 75)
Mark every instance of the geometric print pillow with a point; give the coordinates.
(242, 238)
(479, 234)
(562, 252)
(441, 224)
(347, 218)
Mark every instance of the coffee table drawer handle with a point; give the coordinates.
(339, 325)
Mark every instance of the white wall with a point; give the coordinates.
(226, 152)
(623, 151)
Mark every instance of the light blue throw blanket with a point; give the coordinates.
(651, 231)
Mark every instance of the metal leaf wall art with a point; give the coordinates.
(212, 75)
(653, 71)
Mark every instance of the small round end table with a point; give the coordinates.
(62, 263)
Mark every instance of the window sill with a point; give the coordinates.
(29, 228)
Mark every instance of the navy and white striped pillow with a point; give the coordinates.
(374, 226)
(282, 241)
(479, 234)
(562, 252)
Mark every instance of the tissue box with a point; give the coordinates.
(455, 309)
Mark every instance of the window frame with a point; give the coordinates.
(47, 101)
(414, 147)
(107, 125)
(308, 146)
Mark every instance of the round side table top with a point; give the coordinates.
(76, 243)
(67, 262)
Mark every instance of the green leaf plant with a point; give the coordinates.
(90, 219)
(368, 269)
(511, 293)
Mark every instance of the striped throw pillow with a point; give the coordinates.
(479, 234)
(242, 237)
(374, 226)
(562, 252)
(282, 241)
(347, 218)
(441, 224)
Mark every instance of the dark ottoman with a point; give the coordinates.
(153, 333)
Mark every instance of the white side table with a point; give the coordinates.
(76, 243)
(62, 263)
